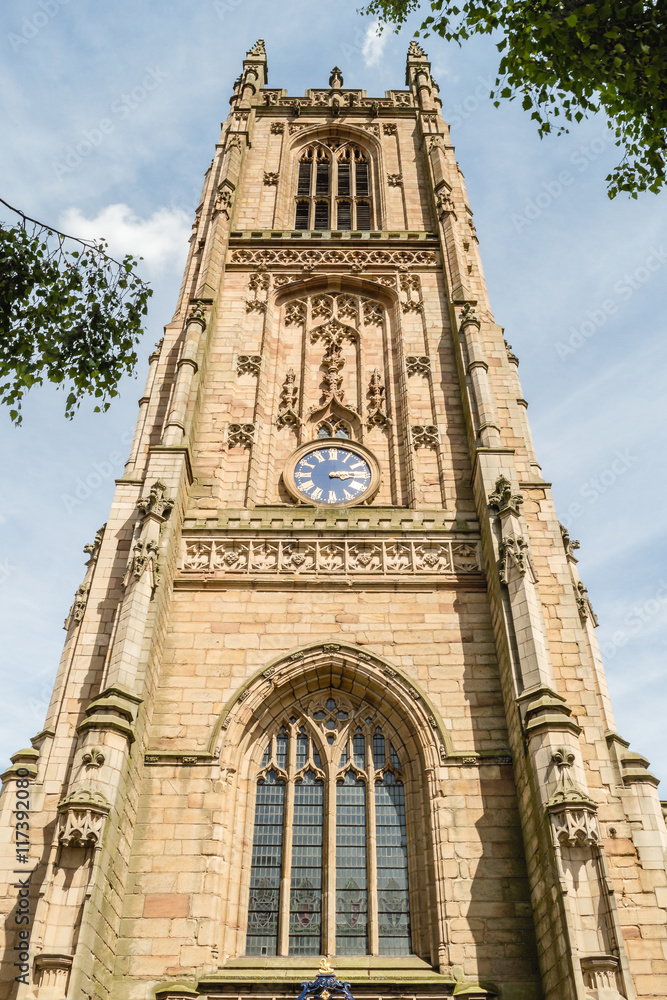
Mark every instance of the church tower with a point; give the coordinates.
(330, 685)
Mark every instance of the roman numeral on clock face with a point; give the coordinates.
(333, 497)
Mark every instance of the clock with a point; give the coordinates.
(332, 472)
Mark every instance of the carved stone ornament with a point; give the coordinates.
(445, 203)
(93, 548)
(277, 128)
(248, 364)
(223, 201)
(144, 558)
(377, 412)
(389, 128)
(93, 757)
(573, 813)
(339, 556)
(513, 552)
(418, 364)
(240, 435)
(78, 609)
(583, 604)
(257, 49)
(81, 818)
(394, 180)
(373, 313)
(415, 51)
(569, 544)
(271, 177)
(411, 286)
(336, 79)
(289, 401)
(197, 312)
(601, 976)
(156, 503)
(424, 436)
(468, 315)
(502, 497)
(52, 974)
(511, 356)
(295, 313)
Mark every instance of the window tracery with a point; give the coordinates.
(332, 774)
(333, 188)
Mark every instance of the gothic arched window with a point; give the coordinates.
(329, 870)
(333, 188)
(333, 428)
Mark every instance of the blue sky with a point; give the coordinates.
(577, 281)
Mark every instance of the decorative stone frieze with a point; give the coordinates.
(329, 556)
(356, 260)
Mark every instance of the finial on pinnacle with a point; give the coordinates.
(326, 968)
(336, 78)
(415, 51)
(257, 49)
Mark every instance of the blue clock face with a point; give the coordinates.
(332, 475)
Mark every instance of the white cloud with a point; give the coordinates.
(162, 239)
(374, 44)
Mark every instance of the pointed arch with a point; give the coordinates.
(334, 181)
(291, 676)
(395, 784)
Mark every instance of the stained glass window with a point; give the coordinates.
(306, 879)
(392, 867)
(351, 886)
(267, 849)
(343, 755)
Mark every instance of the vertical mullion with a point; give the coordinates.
(329, 865)
(286, 879)
(371, 852)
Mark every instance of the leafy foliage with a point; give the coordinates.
(69, 314)
(567, 59)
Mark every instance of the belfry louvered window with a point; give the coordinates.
(329, 871)
(334, 177)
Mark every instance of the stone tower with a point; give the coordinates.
(330, 684)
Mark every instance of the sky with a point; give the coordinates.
(109, 115)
